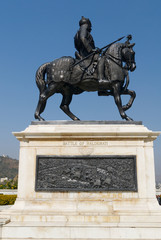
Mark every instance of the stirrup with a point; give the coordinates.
(104, 81)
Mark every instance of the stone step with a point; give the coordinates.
(83, 218)
(48, 231)
(83, 224)
(79, 239)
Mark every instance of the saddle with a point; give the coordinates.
(89, 65)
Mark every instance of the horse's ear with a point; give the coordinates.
(131, 45)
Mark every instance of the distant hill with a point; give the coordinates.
(8, 167)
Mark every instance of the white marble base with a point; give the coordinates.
(84, 215)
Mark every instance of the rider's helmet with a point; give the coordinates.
(85, 21)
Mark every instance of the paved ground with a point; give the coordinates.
(2, 207)
(8, 191)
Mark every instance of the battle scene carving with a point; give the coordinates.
(97, 173)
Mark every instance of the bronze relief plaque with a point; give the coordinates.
(86, 173)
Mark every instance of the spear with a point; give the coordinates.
(99, 50)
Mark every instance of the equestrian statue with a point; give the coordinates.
(103, 70)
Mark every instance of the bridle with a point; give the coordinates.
(117, 60)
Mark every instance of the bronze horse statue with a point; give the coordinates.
(65, 76)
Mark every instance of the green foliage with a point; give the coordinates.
(7, 199)
(10, 184)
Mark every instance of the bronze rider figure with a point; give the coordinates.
(85, 45)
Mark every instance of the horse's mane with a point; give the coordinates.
(115, 50)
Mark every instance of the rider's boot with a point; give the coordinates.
(101, 70)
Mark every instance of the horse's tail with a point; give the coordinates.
(40, 77)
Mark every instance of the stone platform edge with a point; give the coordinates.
(92, 122)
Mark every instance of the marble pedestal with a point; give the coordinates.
(85, 214)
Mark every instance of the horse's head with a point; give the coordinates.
(128, 56)
(122, 52)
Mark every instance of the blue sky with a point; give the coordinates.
(37, 31)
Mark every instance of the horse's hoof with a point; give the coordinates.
(36, 116)
(129, 119)
(76, 119)
(41, 119)
(125, 107)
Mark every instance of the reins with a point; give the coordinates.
(112, 58)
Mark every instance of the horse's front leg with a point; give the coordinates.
(132, 94)
(116, 94)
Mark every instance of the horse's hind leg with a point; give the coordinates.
(42, 101)
(133, 95)
(67, 98)
(40, 108)
(116, 94)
